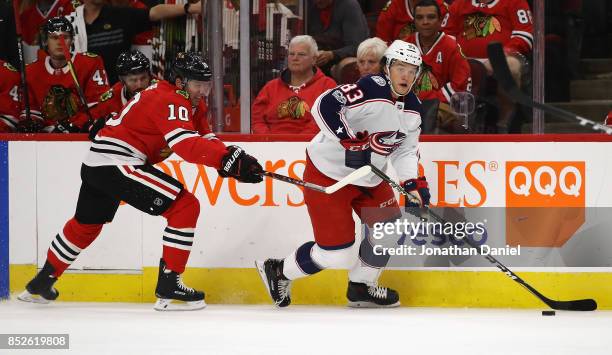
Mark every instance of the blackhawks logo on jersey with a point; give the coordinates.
(106, 96)
(9, 67)
(183, 93)
(480, 25)
(293, 108)
(59, 104)
(427, 81)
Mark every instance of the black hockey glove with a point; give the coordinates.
(241, 166)
(65, 126)
(358, 152)
(419, 188)
(96, 127)
(30, 126)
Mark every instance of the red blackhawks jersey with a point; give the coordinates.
(476, 24)
(9, 97)
(396, 20)
(445, 69)
(53, 95)
(113, 101)
(158, 117)
(32, 18)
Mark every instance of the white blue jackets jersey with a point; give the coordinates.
(367, 105)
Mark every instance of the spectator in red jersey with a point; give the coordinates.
(283, 104)
(445, 69)
(369, 54)
(608, 121)
(54, 98)
(9, 97)
(476, 23)
(33, 14)
(396, 20)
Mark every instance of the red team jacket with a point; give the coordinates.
(32, 18)
(475, 25)
(396, 20)
(279, 108)
(113, 101)
(53, 95)
(155, 118)
(445, 69)
(9, 97)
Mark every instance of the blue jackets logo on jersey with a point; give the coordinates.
(385, 143)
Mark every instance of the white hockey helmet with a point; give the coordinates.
(405, 52)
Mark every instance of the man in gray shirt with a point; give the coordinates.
(338, 26)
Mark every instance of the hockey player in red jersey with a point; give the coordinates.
(396, 20)
(134, 70)
(374, 121)
(54, 100)
(445, 69)
(119, 168)
(9, 97)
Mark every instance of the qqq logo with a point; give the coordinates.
(545, 184)
(558, 186)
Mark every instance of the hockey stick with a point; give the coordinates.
(504, 78)
(74, 78)
(22, 66)
(573, 305)
(347, 180)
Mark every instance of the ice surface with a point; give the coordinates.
(121, 328)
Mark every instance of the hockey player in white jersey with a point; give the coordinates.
(375, 120)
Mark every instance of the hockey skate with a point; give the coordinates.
(173, 295)
(40, 289)
(278, 286)
(361, 295)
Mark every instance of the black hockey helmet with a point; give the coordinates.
(132, 62)
(57, 24)
(190, 65)
(53, 25)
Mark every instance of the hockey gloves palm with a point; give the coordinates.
(419, 188)
(241, 166)
(358, 152)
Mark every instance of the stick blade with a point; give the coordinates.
(349, 179)
(584, 305)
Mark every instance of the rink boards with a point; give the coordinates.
(240, 223)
